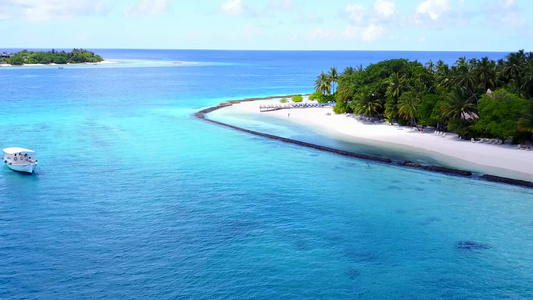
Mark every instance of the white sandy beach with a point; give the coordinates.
(500, 160)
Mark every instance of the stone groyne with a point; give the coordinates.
(438, 169)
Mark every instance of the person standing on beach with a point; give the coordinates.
(289, 115)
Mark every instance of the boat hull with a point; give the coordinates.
(29, 168)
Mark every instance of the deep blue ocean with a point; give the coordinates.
(134, 198)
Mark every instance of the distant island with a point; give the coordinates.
(76, 56)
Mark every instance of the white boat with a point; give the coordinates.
(20, 159)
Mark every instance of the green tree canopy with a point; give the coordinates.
(322, 84)
(428, 111)
(499, 113)
(367, 103)
(53, 56)
(525, 123)
(438, 94)
(407, 104)
(16, 60)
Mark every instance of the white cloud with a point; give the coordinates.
(385, 8)
(148, 8)
(356, 12)
(504, 15)
(50, 10)
(282, 5)
(372, 33)
(433, 8)
(507, 4)
(366, 27)
(368, 33)
(232, 7)
(512, 20)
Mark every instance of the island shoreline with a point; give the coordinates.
(104, 62)
(438, 169)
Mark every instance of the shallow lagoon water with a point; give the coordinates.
(135, 198)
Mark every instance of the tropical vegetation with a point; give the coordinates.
(297, 98)
(473, 97)
(53, 56)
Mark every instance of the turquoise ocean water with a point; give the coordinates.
(135, 198)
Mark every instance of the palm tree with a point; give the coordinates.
(442, 75)
(459, 105)
(348, 71)
(485, 71)
(431, 66)
(462, 75)
(391, 109)
(395, 86)
(526, 121)
(527, 80)
(322, 84)
(512, 67)
(418, 88)
(460, 62)
(347, 85)
(366, 103)
(407, 107)
(333, 76)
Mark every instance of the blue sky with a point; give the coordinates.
(440, 25)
